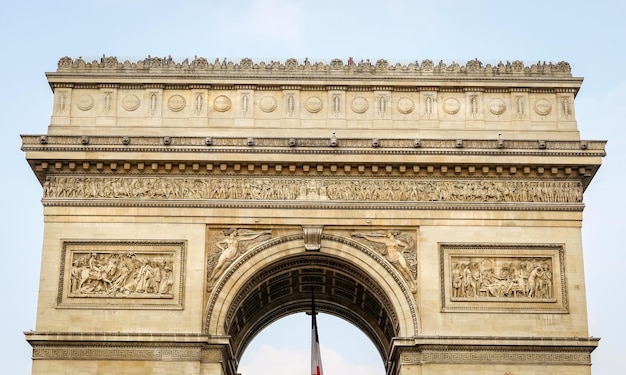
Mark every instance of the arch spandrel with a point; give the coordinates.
(274, 279)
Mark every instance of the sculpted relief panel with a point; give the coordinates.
(227, 245)
(122, 274)
(503, 277)
(387, 190)
(398, 248)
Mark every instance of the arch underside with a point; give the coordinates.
(284, 287)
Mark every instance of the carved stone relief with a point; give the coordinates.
(381, 105)
(503, 277)
(543, 107)
(314, 104)
(176, 103)
(398, 248)
(405, 105)
(198, 104)
(110, 274)
(426, 67)
(451, 106)
(226, 246)
(131, 102)
(428, 105)
(118, 273)
(497, 106)
(61, 102)
(222, 103)
(85, 102)
(388, 190)
(268, 104)
(359, 105)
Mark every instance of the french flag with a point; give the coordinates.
(316, 357)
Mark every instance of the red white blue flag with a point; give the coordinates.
(316, 357)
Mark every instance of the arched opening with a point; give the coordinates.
(284, 347)
(274, 280)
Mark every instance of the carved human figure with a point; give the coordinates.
(546, 281)
(75, 277)
(144, 277)
(534, 280)
(167, 279)
(457, 281)
(229, 248)
(394, 245)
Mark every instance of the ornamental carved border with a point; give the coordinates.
(182, 352)
(156, 188)
(293, 66)
(122, 274)
(503, 278)
(515, 357)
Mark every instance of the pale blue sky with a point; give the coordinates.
(589, 35)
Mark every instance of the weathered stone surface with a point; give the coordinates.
(437, 207)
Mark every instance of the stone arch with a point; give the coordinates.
(274, 279)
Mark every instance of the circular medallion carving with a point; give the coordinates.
(497, 106)
(268, 104)
(176, 103)
(451, 106)
(543, 107)
(405, 105)
(222, 103)
(359, 105)
(314, 104)
(131, 102)
(85, 102)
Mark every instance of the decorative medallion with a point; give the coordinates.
(406, 105)
(359, 105)
(222, 103)
(268, 104)
(497, 106)
(85, 102)
(451, 106)
(176, 103)
(543, 107)
(314, 104)
(131, 102)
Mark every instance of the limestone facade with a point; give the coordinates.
(187, 205)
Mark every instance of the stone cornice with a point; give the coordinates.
(503, 350)
(202, 156)
(305, 145)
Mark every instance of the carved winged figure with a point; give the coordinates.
(234, 244)
(395, 244)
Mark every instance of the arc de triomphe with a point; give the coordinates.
(187, 205)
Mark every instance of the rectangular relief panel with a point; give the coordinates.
(122, 274)
(503, 278)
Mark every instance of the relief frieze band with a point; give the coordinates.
(321, 189)
(122, 274)
(503, 278)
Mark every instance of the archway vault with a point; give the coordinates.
(275, 279)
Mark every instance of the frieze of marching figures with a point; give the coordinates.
(388, 190)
